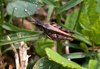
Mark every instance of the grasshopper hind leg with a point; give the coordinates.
(60, 37)
(67, 31)
(64, 38)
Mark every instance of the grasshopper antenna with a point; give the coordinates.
(29, 15)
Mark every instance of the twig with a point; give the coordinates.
(23, 55)
(16, 54)
(10, 67)
(67, 49)
(14, 49)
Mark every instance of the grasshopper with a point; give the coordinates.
(53, 32)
